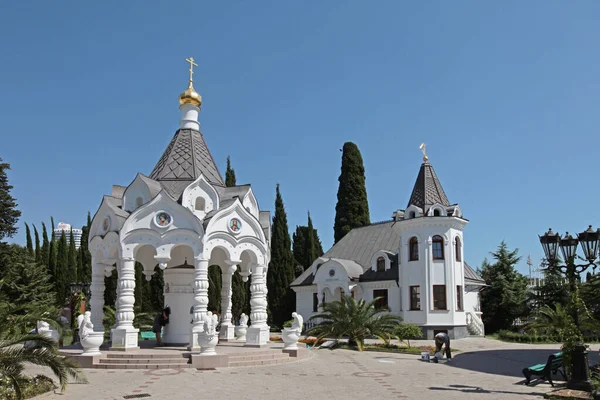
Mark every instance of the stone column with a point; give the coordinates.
(200, 300)
(258, 332)
(227, 327)
(97, 295)
(125, 336)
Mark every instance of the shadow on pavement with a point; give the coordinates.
(506, 362)
(478, 389)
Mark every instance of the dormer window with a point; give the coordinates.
(436, 213)
(438, 247)
(200, 204)
(411, 215)
(381, 264)
(413, 254)
(458, 249)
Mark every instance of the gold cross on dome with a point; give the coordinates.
(192, 65)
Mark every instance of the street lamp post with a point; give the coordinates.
(580, 376)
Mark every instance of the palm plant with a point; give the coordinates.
(14, 355)
(355, 319)
(553, 320)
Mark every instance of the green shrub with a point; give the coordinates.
(288, 324)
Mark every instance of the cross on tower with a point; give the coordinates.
(192, 65)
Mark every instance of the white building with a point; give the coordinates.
(66, 228)
(414, 262)
(181, 218)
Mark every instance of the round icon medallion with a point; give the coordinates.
(163, 219)
(106, 224)
(332, 272)
(235, 225)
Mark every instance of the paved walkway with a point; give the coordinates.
(484, 369)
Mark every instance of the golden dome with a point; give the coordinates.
(190, 96)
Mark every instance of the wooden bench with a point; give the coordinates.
(545, 371)
(148, 335)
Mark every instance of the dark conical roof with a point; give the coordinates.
(186, 157)
(428, 189)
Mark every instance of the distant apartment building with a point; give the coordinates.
(66, 228)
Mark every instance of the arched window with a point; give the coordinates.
(458, 249)
(436, 212)
(380, 264)
(413, 249)
(200, 204)
(438, 247)
(411, 214)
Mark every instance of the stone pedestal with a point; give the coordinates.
(227, 332)
(257, 336)
(125, 339)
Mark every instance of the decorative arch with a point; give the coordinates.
(105, 249)
(251, 204)
(413, 248)
(108, 218)
(413, 212)
(162, 243)
(200, 193)
(142, 188)
(437, 210)
(380, 261)
(246, 225)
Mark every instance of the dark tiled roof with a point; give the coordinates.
(186, 157)
(391, 274)
(360, 244)
(428, 189)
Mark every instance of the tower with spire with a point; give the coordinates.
(180, 219)
(414, 264)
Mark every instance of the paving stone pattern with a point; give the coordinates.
(338, 374)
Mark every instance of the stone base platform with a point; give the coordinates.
(229, 354)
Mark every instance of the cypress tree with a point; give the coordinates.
(306, 248)
(61, 276)
(229, 174)
(9, 214)
(214, 289)
(45, 256)
(299, 247)
(282, 300)
(52, 259)
(352, 208)
(311, 246)
(156, 286)
(238, 295)
(29, 241)
(84, 262)
(38, 250)
(139, 285)
(52, 223)
(72, 259)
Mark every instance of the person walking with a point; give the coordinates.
(160, 320)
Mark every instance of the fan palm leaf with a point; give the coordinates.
(355, 319)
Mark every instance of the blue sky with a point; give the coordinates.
(505, 94)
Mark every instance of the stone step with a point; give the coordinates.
(257, 357)
(179, 360)
(249, 363)
(144, 366)
(144, 356)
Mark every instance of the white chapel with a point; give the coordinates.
(413, 262)
(181, 218)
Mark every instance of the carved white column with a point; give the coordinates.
(97, 295)
(125, 336)
(258, 332)
(227, 327)
(200, 300)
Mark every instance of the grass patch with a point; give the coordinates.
(30, 387)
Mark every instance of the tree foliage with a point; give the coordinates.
(407, 332)
(38, 250)
(503, 300)
(72, 259)
(29, 241)
(306, 248)
(61, 271)
(356, 319)
(352, 209)
(215, 283)
(9, 214)
(229, 174)
(45, 252)
(84, 258)
(282, 299)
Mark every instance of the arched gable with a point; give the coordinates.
(251, 204)
(105, 250)
(437, 210)
(237, 222)
(413, 212)
(386, 257)
(108, 218)
(139, 192)
(200, 197)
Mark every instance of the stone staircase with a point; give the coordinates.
(114, 360)
(259, 358)
(177, 360)
(475, 325)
